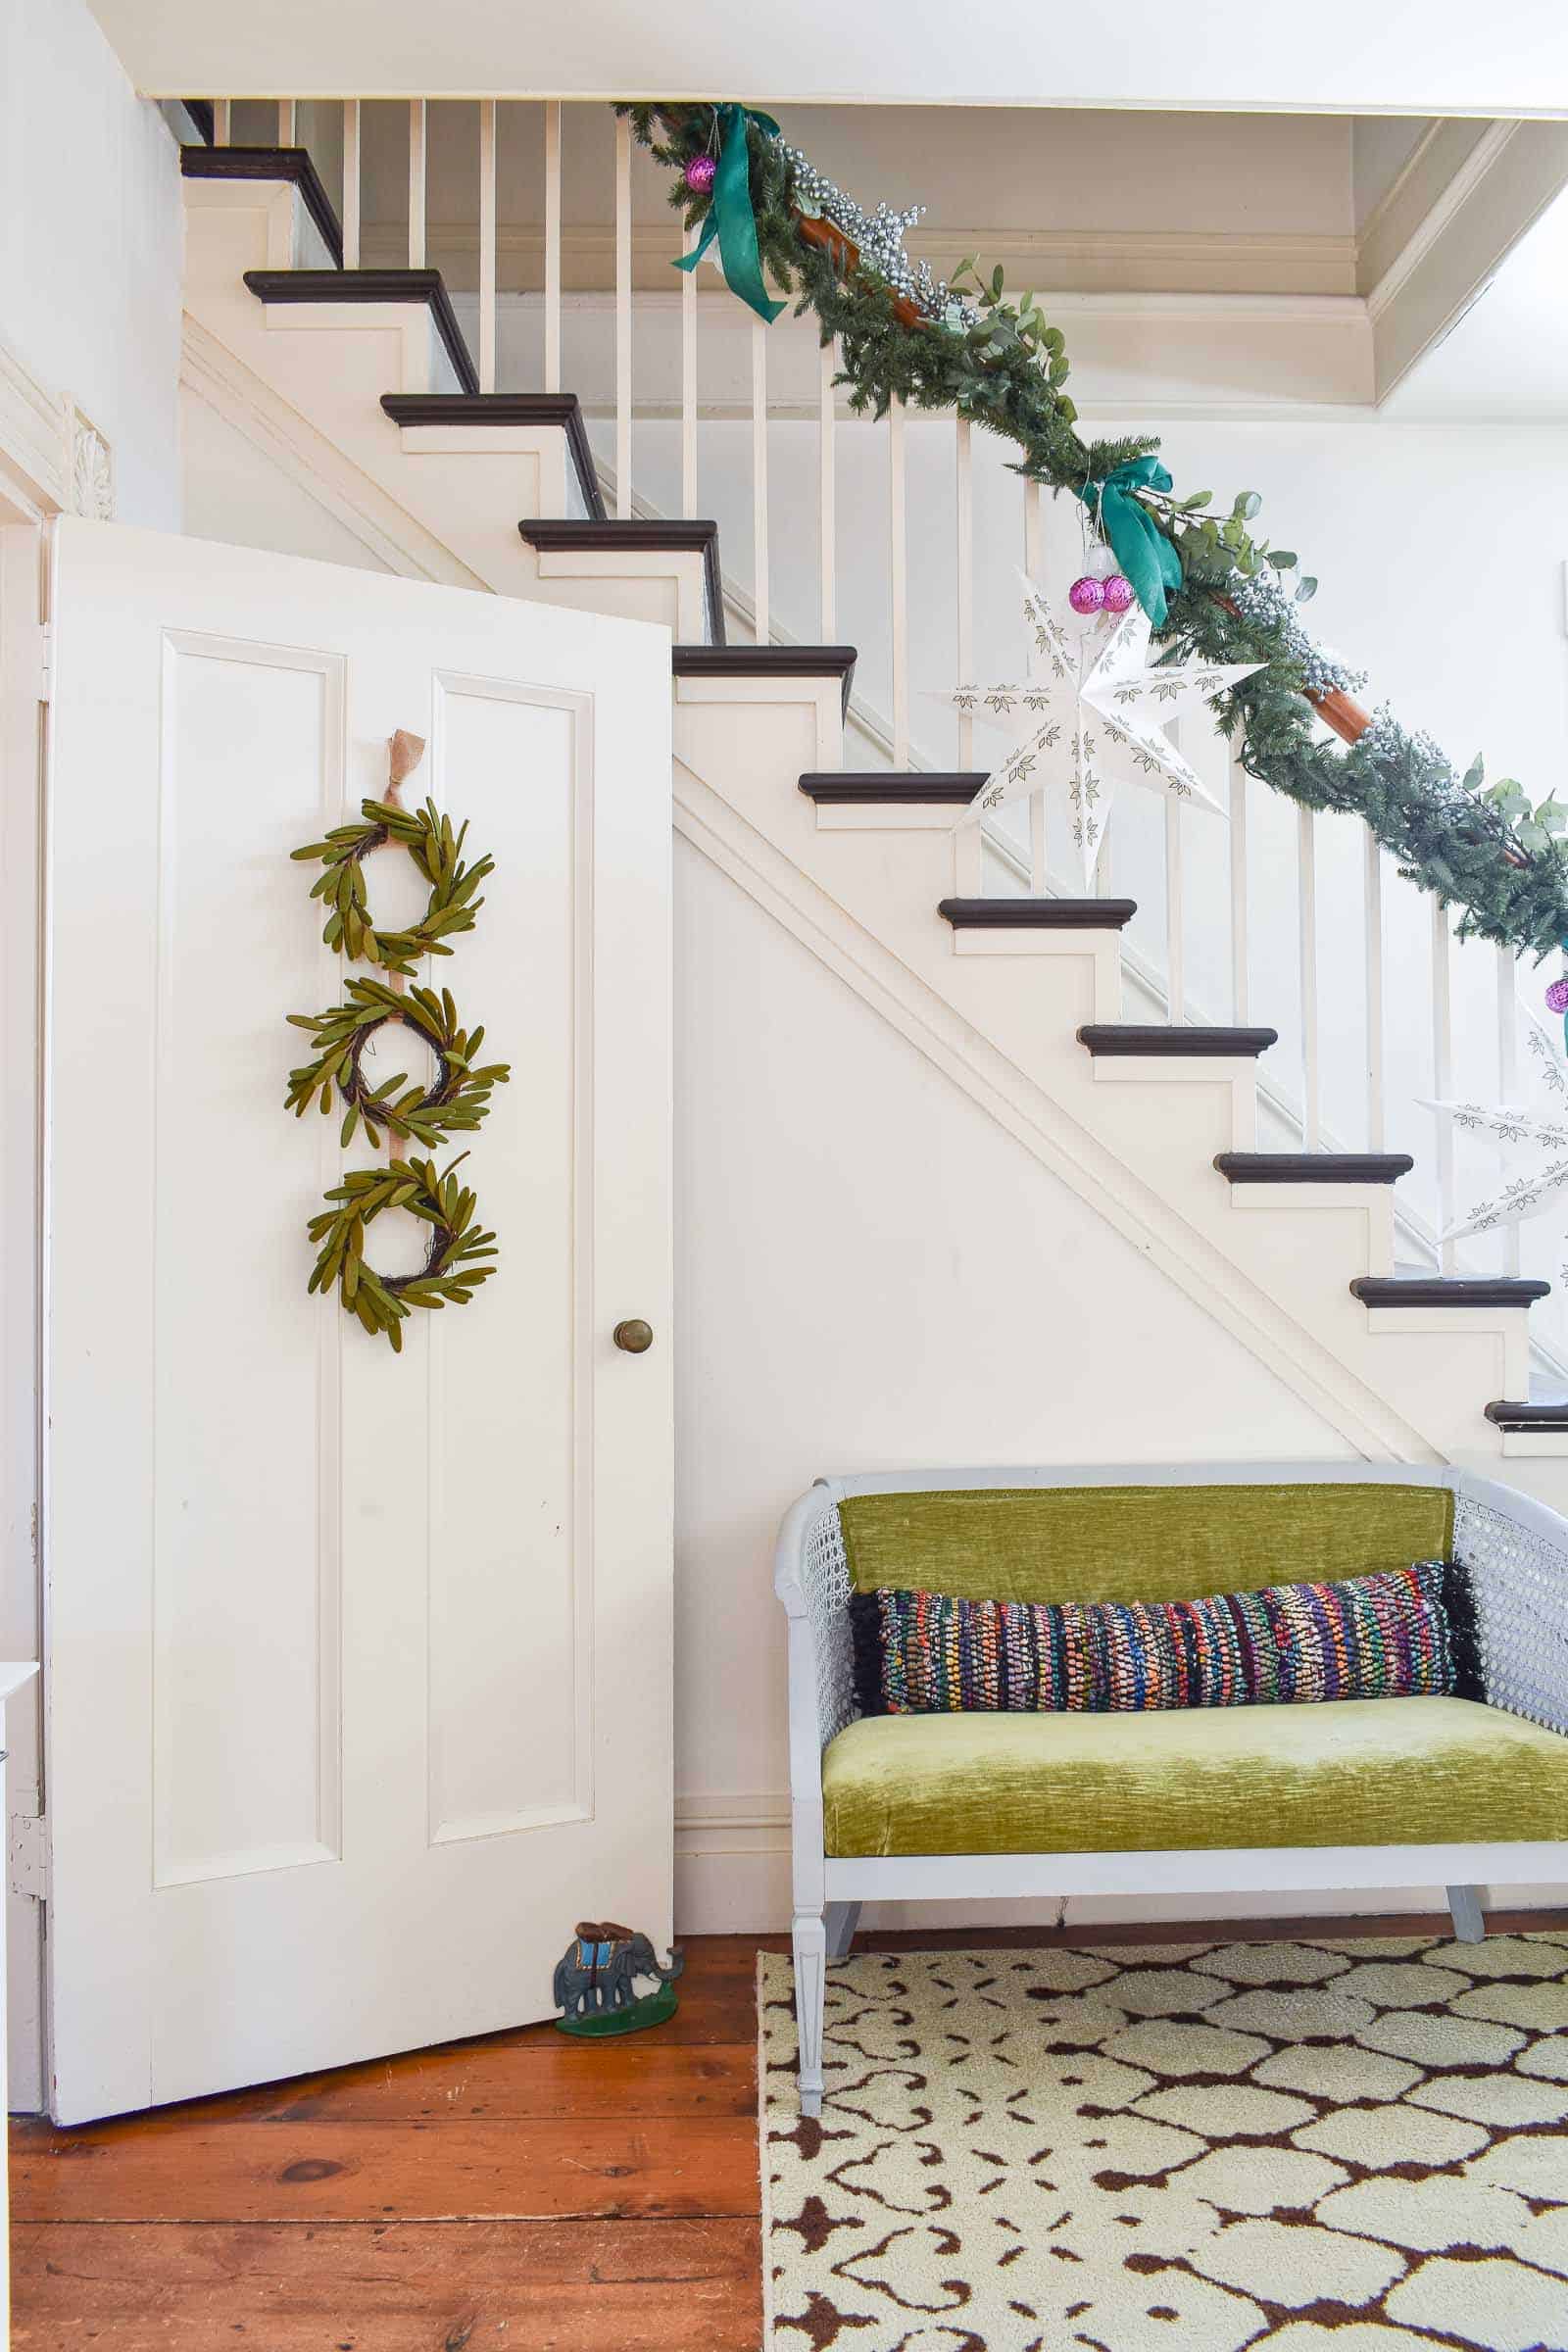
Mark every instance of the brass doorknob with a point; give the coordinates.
(635, 1337)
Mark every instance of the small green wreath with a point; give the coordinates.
(456, 1101)
(452, 1271)
(436, 850)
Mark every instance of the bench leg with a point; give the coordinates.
(810, 1994)
(1464, 1908)
(841, 1920)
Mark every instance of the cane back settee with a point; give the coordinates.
(1352, 1795)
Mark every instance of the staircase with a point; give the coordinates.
(363, 378)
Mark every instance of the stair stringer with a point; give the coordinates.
(1436, 1418)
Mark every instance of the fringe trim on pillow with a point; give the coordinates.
(1465, 1634)
(866, 1644)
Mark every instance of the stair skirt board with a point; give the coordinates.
(1523, 1417)
(563, 409)
(374, 285)
(1037, 914)
(1180, 1040)
(876, 788)
(270, 163)
(638, 534)
(768, 662)
(1379, 1290)
(1313, 1167)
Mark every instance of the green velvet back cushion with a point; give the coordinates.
(1061, 1544)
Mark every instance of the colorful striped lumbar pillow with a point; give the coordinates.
(1400, 1633)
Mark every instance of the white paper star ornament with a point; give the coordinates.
(1095, 717)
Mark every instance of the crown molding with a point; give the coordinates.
(1087, 260)
(53, 458)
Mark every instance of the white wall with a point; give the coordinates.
(90, 241)
(869, 1274)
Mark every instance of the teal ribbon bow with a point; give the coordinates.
(731, 217)
(1142, 549)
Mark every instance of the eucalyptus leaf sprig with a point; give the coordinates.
(455, 1102)
(453, 1268)
(435, 849)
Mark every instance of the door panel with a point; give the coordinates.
(359, 1664)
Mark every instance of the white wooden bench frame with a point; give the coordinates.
(1516, 1548)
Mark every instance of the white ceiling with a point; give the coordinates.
(1407, 57)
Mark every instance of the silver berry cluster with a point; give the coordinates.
(1262, 599)
(1386, 740)
(880, 236)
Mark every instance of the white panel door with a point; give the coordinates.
(358, 1665)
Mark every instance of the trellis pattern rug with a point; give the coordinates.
(1320, 2146)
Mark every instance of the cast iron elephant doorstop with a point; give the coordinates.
(594, 1981)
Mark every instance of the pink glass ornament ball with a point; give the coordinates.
(1557, 997)
(699, 173)
(1086, 595)
(1118, 592)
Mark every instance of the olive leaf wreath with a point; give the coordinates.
(461, 1252)
(456, 1099)
(435, 849)
(452, 1271)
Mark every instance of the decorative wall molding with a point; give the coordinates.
(1196, 261)
(210, 371)
(705, 819)
(1439, 215)
(52, 460)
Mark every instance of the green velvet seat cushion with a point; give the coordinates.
(1056, 1543)
(1361, 1772)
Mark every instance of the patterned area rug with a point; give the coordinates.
(1324, 2146)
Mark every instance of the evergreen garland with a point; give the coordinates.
(1002, 365)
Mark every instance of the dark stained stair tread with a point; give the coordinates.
(1527, 1416)
(883, 788)
(665, 535)
(270, 163)
(1313, 1167)
(1178, 1041)
(768, 662)
(1037, 914)
(1433, 1290)
(374, 286)
(563, 409)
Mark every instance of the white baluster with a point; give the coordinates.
(287, 122)
(965, 576)
(222, 120)
(899, 567)
(553, 245)
(418, 133)
(1508, 1070)
(1175, 927)
(487, 245)
(827, 491)
(622, 316)
(688, 383)
(1443, 1071)
(763, 624)
(351, 184)
(1238, 899)
(1376, 1122)
(1033, 560)
(1306, 894)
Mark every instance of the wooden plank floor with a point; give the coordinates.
(523, 2193)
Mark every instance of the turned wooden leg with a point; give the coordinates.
(841, 1920)
(810, 1994)
(1464, 1909)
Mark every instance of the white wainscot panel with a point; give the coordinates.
(510, 1746)
(246, 1732)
